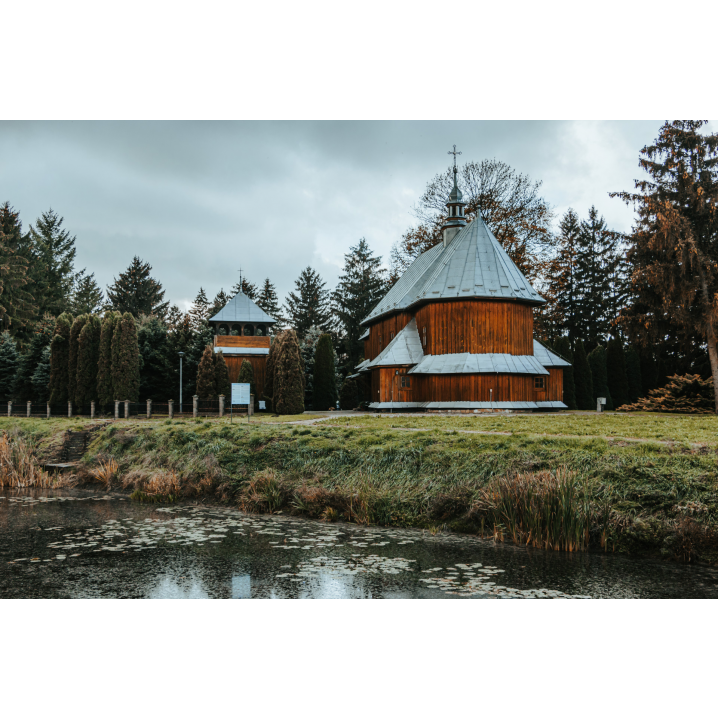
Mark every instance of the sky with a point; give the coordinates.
(199, 200)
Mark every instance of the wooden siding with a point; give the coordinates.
(383, 332)
(473, 387)
(555, 384)
(386, 384)
(477, 327)
(251, 342)
(234, 362)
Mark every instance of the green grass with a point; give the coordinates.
(652, 494)
(661, 427)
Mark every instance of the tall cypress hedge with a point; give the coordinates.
(324, 394)
(616, 371)
(633, 375)
(221, 375)
(207, 375)
(288, 393)
(77, 326)
(583, 381)
(563, 348)
(125, 360)
(105, 392)
(60, 360)
(274, 350)
(597, 362)
(87, 361)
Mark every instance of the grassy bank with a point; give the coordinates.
(554, 491)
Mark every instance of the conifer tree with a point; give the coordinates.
(155, 372)
(246, 376)
(599, 374)
(349, 394)
(8, 365)
(274, 351)
(674, 252)
(361, 285)
(564, 276)
(87, 360)
(52, 266)
(616, 371)
(649, 371)
(246, 287)
(688, 394)
(136, 292)
(17, 304)
(41, 377)
(42, 332)
(125, 360)
(307, 349)
(633, 375)
(309, 305)
(289, 377)
(221, 375)
(206, 375)
(583, 380)
(60, 360)
(324, 393)
(219, 303)
(268, 301)
(199, 312)
(105, 391)
(87, 297)
(77, 326)
(563, 348)
(181, 339)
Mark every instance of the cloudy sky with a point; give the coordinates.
(200, 199)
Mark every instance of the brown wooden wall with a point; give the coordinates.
(258, 362)
(473, 387)
(383, 332)
(253, 342)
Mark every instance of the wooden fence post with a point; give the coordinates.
(69, 409)
(195, 405)
(221, 405)
(117, 408)
(171, 408)
(149, 408)
(127, 408)
(9, 408)
(92, 409)
(29, 409)
(48, 409)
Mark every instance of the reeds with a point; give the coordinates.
(18, 467)
(545, 509)
(106, 472)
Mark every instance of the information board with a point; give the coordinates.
(240, 394)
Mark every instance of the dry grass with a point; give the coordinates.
(106, 472)
(18, 466)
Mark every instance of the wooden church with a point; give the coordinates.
(241, 331)
(456, 330)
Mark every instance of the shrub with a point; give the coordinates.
(682, 394)
(324, 394)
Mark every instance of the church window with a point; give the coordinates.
(539, 382)
(392, 335)
(423, 337)
(405, 382)
(248, 330)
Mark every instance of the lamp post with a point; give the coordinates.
(181, 354)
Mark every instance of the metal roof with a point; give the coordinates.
(466, 363)
(473, 264)
(363, 365)
(241, 350)
(365, 335)
(241, 308)
(404, 348)
(547, 357)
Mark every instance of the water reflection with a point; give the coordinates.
(79, 544)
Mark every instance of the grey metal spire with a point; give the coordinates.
(455, 204)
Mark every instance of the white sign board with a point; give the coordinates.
(240, 394)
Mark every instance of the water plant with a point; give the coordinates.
(18, 466)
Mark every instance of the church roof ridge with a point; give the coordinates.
(473, 265)
(240, 308)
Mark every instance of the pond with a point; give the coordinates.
(81, 544)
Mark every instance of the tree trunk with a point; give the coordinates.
(711, 339)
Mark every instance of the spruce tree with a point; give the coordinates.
(583, 380)
(155, 372)
(105, 390)
(246, 287)
(596, 258)
(60, 360)
(616, 371)
(41, 377)
(674, 252)
(221, 375)
(181, 338)
(361, 285)
(199, 311)
(206, 375)
(87, 297)
(274, 351)
(77, 326)
(136, 292)
(307, 348)
(633, 375)
(324, 394)
(268, 301)
(246, 376)
(198, 342)
(17, 304)
(599, 374)
(40, 338)
(125, 360)
(563, 349)
(649, 371)
(87, 361)
(8, 365)
(52, 267)
(309, 305)
(349, 394)
(564, 277)
(289, 377)
(219, 303)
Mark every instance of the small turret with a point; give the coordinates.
(455, 204)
